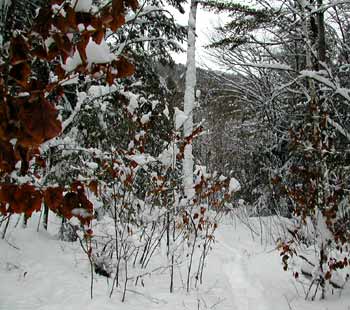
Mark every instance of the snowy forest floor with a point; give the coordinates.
(243, 272)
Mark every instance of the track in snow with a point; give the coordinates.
(247, 293)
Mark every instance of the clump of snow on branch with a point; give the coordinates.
(234, 186)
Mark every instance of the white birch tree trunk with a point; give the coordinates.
(189, 100)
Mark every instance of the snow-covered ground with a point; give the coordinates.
(243, 272)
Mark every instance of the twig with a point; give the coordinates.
(217, 303)
(289, 305)
(41, 213)
(126, 280)
(6, 226)
(152, 299)
(10, 244)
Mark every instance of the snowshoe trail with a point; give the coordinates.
(247, 293)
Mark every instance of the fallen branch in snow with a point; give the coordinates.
(10, 244)
(152, 299)
(309, 275)
(148, 273)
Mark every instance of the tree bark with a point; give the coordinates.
(189, 99)
(321, 51)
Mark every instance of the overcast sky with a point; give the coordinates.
(206, 22)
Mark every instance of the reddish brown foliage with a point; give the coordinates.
(19, 50)
(124, 68)
(27, 115)
(21, 198)
(77, 204)
(26, 200)
(7, 157)
(39, 120)
(3, 209)
(20, 73)
(93, 187)
(7, 192)
(77, 187)
(53, 197)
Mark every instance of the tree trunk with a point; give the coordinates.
(321, 51)
(46, 216)
(189, 99)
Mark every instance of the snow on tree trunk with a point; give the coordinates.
(189, 99)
